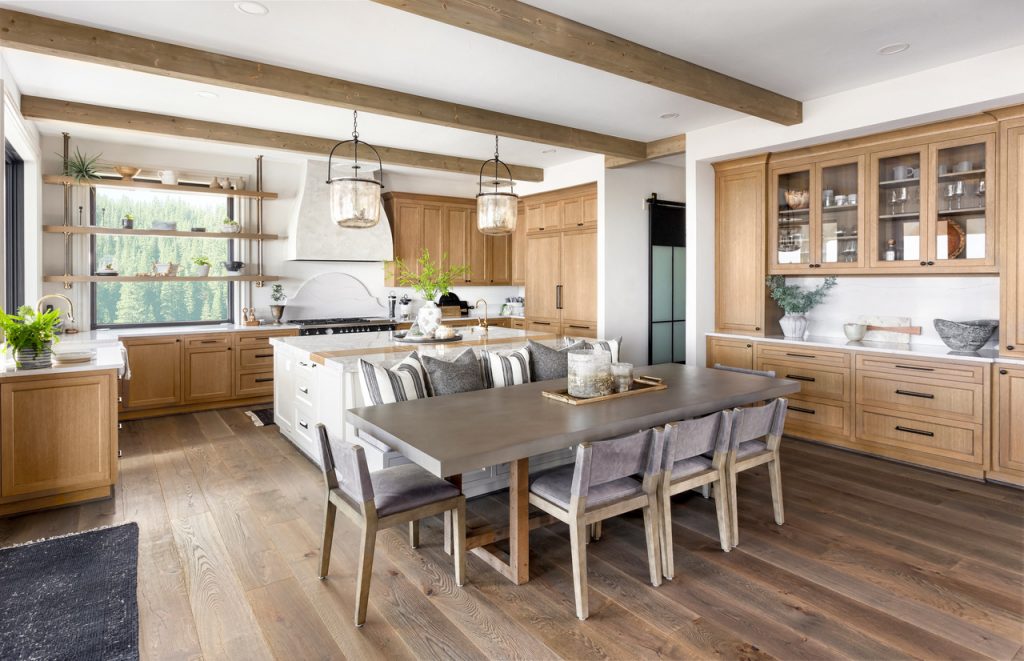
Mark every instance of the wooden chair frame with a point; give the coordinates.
(365, 515)
(770, 455)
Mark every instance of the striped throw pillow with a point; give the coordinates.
(401, 383)
(506, 369)
(611, 346)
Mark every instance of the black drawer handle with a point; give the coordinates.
(304, 425)
(801, 410)
(581, 327)
(911, 393)
(797, 377)
(211, 341)
(911, 430)
(801, 355)
(919, 369)
(1003, 372)
(541, 323)
(264, 379)
(264, 355)
(304, 391)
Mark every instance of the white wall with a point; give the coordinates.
(990, 81)
(625, 250)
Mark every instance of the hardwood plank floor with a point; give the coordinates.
(876, 561)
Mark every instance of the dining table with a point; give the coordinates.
(459, 433)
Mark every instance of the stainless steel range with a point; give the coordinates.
(336, 325)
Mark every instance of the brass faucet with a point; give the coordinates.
(483, 324)
(70, 311)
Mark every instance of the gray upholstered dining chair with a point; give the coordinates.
(384, 498)
(600, 485)
(687, 466)
(755, 437)
(743, 370)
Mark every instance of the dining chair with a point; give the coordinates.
(600, 485)
(687, 466)
(755, 438)
(744, 370)
(381, 499)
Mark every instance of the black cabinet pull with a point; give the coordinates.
(924, 263)
(911, 430)
(1003, 372)
(750, 346)
(304, 391)
(580, 327)
(799, 409)
(264, 379)
(757, 328)
(304, 425)
(558, 297)
(210, 341)
(264, 355)
(797, 377)
(930, 263)
(1010, 347)
(801, 355)
(913, 367)
(911, 393)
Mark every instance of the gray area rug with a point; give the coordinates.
(71, 597)
(262, 417)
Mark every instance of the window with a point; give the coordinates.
(14, 231)
(163, 301)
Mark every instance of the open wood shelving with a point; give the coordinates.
(152, 185)
(92, 229)
(146, 278)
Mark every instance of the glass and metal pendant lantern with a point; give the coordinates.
(355, 200)
(496, 210)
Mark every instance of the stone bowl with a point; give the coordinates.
(965, 336)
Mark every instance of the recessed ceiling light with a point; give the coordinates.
(207, 94)
(892, 49)
(669, 115)
(252, 8)
(548, 151)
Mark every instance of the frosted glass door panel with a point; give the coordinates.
(661, 283)
(661, 343)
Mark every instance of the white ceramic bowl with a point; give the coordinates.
(855, 332)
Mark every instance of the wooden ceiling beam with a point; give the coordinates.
(34, 107)
(527, 26)
(39, 34)
(670, 146)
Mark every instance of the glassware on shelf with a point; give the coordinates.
(950, 194)
(900, 195)
(890, 250)
(958, 192)
(981, 193)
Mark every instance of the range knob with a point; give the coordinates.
(328, 331)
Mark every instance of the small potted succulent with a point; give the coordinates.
(30, 336)
(796, 302)
(230, 226)
(128, 221)
(202, 264)
(278, 297)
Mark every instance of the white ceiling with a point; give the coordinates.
(801, 48)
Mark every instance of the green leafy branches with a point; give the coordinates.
(794, 300)
(277, 294)
(432, 279)
(29, 328)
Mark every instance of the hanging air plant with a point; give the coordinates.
(80, 167)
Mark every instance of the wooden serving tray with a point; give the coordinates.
(641, 384)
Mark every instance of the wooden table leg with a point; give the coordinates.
(448, 535)
(519, 520)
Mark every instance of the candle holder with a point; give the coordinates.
(590, 373)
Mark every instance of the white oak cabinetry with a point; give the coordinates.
(1011, 208)
(1008, 423)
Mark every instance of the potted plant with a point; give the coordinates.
(80, 167)
(30, 335)
(278, 297)
(796, 302)
(428, 283)
(128, 221)
(229, 225)
(202, 265)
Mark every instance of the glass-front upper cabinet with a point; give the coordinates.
(790, 219)
(899, 206)
(962, 216)
(838, 221)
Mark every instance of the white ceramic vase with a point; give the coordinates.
(429, 317)
(793, 326)
(202, 270)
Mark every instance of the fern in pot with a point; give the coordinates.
(30, 335)
(796, 303)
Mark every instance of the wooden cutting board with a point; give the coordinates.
(886, 336)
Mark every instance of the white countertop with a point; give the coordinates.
(918, 350)
(111, 335)
(108, 356)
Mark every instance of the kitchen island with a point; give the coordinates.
(316, 380)
(58, 432)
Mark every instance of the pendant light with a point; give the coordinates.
(355, 200)
(496, 211)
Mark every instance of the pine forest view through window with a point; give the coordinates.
(163, 301)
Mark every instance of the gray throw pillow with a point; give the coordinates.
(547, 363)
(451, 377)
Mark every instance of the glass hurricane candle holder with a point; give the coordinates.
(622, 373)
(590, 373)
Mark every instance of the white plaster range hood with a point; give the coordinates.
(313, 236)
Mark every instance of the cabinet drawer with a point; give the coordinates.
(946, 370)
(949, 399)
(305, 421)
(261, 338)
(207, 341)
(818, 420)
(519, 324)
(255, 358)
(824, 382)
(920, 434)
(253, 384)
(730, 353)
(798, 354)
(579, 329)
(304, 388)
(542, 326)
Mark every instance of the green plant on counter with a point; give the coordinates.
(29, 329)
(794, 300)
(80, 167)
(432, 280)
(277, 294)
(228, 221)
(202, 260)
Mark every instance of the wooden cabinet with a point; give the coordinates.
(742, 304)
(543, 275)
(156, 371)
(1007, 463)
(730, 352)
(1011, 209)
(578, 280)
(58, 439)
(563, 209)
(208, 368)
(517, 249)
